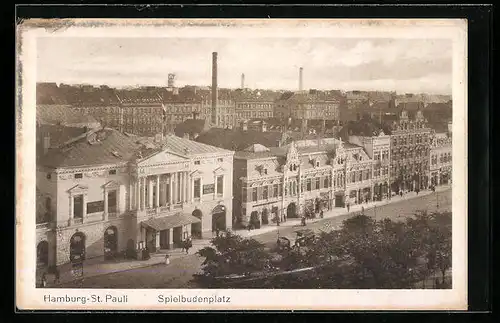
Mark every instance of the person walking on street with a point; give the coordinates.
(348, 206)
(362, 210)
(167, 259)
(44, 280)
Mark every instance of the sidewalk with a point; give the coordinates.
(339, 211)
(98, 266)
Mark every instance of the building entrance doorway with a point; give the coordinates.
(219, 218)
(165, 239)
(196, 227)
(291, 210)
(110, 242)
(77, 247)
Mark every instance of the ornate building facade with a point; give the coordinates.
(108, 192)
(378, 148)
(440, 159)
(301, 178)
(410, 153)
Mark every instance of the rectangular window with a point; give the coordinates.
(308, 185)
(254, 194)
(326, 182)
(112, 172)
(275, 190)
(79, 175)
(265, 193)
(78, 206)
(196, 162)
(112, 202)
(197, 188)
(220, 185)
(317, 183)
(220, 160)
(291, 191)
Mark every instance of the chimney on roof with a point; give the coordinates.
(243, 80)
(301, 72)
(214, 88)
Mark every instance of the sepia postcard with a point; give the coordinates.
(278, 164)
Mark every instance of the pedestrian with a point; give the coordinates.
(56, 276)
(321, 214)
(217, 231)
(189, 244)
(167, 259)
(348, 207)
(401, 193)
(249, 227)
(362, 210)
(44, 280)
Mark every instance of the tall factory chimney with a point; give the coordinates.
(301, 71)
(242, 80)
(214, 88)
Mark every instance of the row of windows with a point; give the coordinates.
(198, 190)
(410, 140)
(359, 176)
(254, 114)
(443, 158)
(80, 175)
(254, 106)
(381, 171)
(275, 190)
(410, 154)
(385, 155)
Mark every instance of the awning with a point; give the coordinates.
(170, 221)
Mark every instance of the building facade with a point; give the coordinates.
(254, 104)
(304, 177)
(410, 153)
(109, 192)
(378, 148)
(440, 159)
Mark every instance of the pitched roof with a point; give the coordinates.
(190, 126)
(256, 148)
(189, 147)
(113, 147)
(237, 139)
(58, 134)
(63, 115)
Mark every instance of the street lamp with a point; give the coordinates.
(437, 200)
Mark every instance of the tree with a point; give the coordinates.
(232, 254)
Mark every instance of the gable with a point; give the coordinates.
(162, 157)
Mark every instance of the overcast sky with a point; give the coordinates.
(348, 64)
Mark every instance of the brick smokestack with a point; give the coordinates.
(301, 71)
(214, 88)
(242, 81)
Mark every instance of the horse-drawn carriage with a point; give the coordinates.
(305, 237)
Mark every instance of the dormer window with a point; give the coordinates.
(78, 175)
(112, 172)
(294, 167)
(317, 163)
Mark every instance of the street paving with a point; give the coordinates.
(179, 272)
